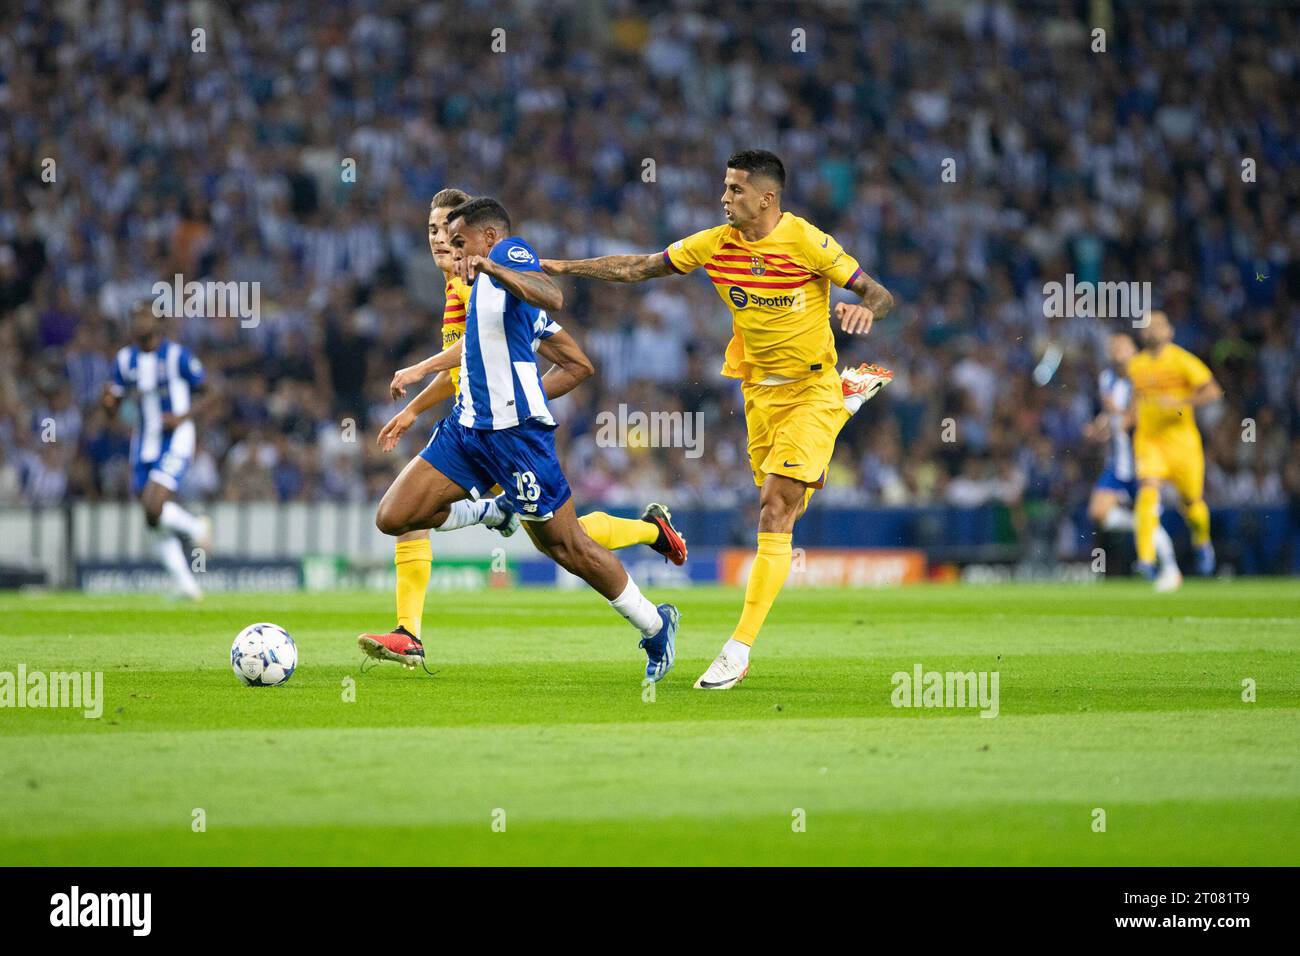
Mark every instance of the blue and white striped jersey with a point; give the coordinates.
(500, 385)
(161, 381)
(1119, 391)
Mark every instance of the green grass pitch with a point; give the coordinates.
(1111, 698)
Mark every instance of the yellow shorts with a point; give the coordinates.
(792, 428)
(1179, 461)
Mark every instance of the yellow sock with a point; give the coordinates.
(1146, 514)
(768, 574)
(1198, 522)
(413, 569)
(612, 533)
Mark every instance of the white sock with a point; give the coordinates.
(636, 607)
(1118, 518)
(736, 651)
(465, 513)
(172, 556)
(1165, 549)
(177, 519)
(853, 403)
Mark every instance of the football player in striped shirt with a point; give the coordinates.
(413, 550)
(773, 270)
(501, 432)
(162, 377)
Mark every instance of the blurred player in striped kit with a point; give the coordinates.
(162, 377)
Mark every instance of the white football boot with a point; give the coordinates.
(723, 674)
(1169, 579)
(865, 382)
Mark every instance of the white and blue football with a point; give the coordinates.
(263, 655)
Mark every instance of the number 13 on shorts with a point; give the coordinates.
(529, 489)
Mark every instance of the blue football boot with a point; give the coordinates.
(659, 649)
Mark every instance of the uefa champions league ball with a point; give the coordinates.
(263, 655)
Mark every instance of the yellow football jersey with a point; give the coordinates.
(1173, 373)
(778, 290)
(453, 321)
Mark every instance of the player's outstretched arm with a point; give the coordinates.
(611, 268)
(857, 317)
(448, 358)
(440, 389)
(571, 365)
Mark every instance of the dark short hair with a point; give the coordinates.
(759, 162)
(480, 212)
(449, 198)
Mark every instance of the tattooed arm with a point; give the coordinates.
(611, 268)
(857, 317)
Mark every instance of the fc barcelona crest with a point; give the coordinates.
(756, 266)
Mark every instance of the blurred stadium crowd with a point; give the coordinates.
(226, 164)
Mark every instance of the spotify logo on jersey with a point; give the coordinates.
(740, 298)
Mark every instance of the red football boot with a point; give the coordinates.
(669, 543)
(398, 645)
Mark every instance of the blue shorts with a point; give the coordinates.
(521, 460)
(1109, 482)
(166, 471)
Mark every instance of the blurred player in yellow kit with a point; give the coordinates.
(413, 551)
(773, 270)
(1169, 384)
